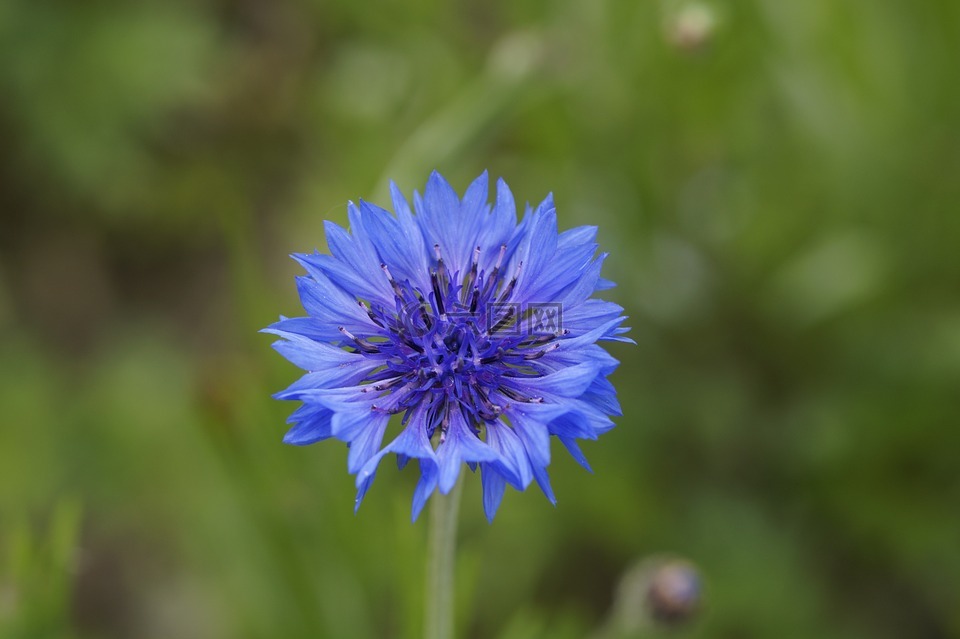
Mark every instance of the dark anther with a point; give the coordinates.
(396, 287)
(423, 311)
(474, 299)
(517, 397)
(488, 410)
(373, 316)
(362, 344)
(505, 295)
(539, 339)
(434, 281)
(382, 386)
(492, 358)
(505, 321)
(389, 411)
(441, 267)
(542, 352)
(492, 280)
(472, 275)
(409, 342)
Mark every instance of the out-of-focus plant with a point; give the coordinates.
(36, 575)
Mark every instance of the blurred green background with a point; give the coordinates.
(774, 181)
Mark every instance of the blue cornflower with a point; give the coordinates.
(477, 332)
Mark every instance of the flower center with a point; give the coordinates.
(456, 346)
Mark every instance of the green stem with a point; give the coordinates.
(442, 543)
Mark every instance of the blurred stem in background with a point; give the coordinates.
(36, 575)
(442, 550)
(512, 62)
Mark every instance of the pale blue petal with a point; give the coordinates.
(569, 382)
(366, 442)
(439, 215)
(505, 441)
(309, 327)
(461, 445)
(586, 285)
(574, 449)
(425, 488)
(312, 425)
(576, 236)
(353, 268)
(405, 256)
(498, 228)
(493, 488)
(332, 307)
(538, 251)
(311, 355)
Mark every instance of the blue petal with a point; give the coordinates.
(473, 218)
(312, 355)
(312, 425)
(538, 250)
(505, 441)
(461, 445)
(346, 424)
(331, 306)
(493, 488)
(536, 440)
(592, 335)
(498, 227)
(584, 287)
(572, 425)
(307, 327)
(364, 257)
(575, 452)
(576, 236)
(543, 481)
(579, 318)
(347, 403)
(400, 205)
(567, 266)
(399, 247)
(604, 284)
(603, 395)
(361, 493)
(366, 442)
(425, 488)
(568, 382)
(352, 271)
(438, 213)
(412, 442)
(308, 385)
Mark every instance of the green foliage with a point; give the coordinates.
(773, 181)
(35, 576)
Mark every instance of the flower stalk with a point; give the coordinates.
(442, 547)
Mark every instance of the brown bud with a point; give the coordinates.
(674, 591)
(692, 27)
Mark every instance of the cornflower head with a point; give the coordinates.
(478, 333)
